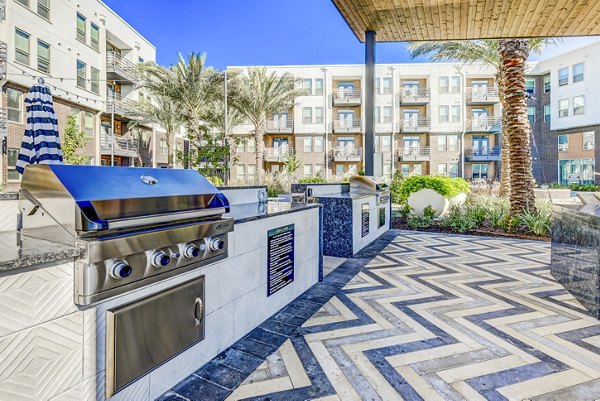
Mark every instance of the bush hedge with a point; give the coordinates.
(445, 186)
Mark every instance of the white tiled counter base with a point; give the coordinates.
(50, 350)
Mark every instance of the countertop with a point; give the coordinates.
(9, 196)
(32, 252)
(255, 211)
(344, 195)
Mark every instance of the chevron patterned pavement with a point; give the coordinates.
(419, 316)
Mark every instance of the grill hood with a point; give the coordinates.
(91, 201)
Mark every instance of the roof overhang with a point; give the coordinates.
(419, 20)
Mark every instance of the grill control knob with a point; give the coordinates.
(216, 244)
(120, 269)
(191, 251)
(160, 259)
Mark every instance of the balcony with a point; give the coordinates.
(414, 154)
(484, 124)
(3, 50)
(280, 126)
(119, 69)
(415, 96)
(347, 126)
(417, 125)
(482, 95)
(346, 97)
(122, 106)
(484, 154)
(125, 145)
(3, 119)
(278, 155)
(347, 155)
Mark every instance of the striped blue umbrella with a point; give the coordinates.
(40, 143)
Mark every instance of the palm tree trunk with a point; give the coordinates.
(505, 150)
(259, 134)
(513, 55)
(170, 138)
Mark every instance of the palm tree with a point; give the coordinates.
(513, 56)
(486, 52)
(259, 95)
(160, 110)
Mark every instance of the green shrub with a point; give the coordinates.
(537, 222)
(459, 219)
(216, 181)
(497, 211)
(583, 187)
(395, 186)
(477, 212)
(445, 186)
(405, 211)
(312, 180)
(509, 224)
(424, 221)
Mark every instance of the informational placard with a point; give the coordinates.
(364, 220)
(280, 258)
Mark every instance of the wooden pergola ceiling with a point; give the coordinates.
(418, 20)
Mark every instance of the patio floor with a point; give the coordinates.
(418, 316)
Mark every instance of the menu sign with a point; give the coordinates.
(280, 258)
(364, 220)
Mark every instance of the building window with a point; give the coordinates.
(377, 114)
(442, 143)
(307, 115)
(455, 116)
(563, 108)
(576, 171)
(319, 86)
(387, 114)
(251, 172)
(385, 143)
(455, 88)
(239, 147)
(12, 157)
(563, 143)
(387, 86)
(163, 146)
(81, 28)
(88, 124)
(444, 85)
(144, 139)
(563, 76)
(480, 171)
(339, 169)
(444, 113)
(546, 112)
(530, 85)
(241, 172)
(14, 105)
(318, 144)
(547, 83)
(453, 171)
(307, 144)
(251, 145)
(81, 74)
(531, 114)
(307, 86)
(453, 143)
(308, 170)
(442, 169)
(578, 105)
(319, 169)
(318, 115)
(23, 2)
(95, 81)
(577, 72)
(43, 8)
(405, 169)
(95, 37)
(43, 56)
(589, 142)
(21, 46)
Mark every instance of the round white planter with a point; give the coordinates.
(419, 200)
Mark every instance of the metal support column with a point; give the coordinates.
(369, 101)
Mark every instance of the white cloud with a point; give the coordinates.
(566, 45)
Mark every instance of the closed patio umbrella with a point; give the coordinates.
(40, 142)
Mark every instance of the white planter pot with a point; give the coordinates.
(419, 200)
(459, 199)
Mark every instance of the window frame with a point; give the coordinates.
(42, 43)
(95, 82)
(445, 169)
(386, 118)
(84, 77)
(45, 7)
(452, 146)
(547, 107)
(12, 168)
(79, 33)
(452, 86)
(319, 119)
(318, 144)
(387, 90)
(533, 87)
(561, 110)
(592, 142)
(578, 77)
(307, 140)
(19, 51)
(164, 150)
(94, 44)
(20, 106)
(457, 115)
(563, 81)
(87, 114)
(563, 147)
(307, 119)
(531, 120)
(309, 90)
(547, 81)
(447, 86)
(445, 107)
(319, 91)
(580, 108)
(442, 145)
(24, 3)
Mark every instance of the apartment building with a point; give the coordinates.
(85, 53)
(431, 118)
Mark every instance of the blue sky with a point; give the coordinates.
(259, 32)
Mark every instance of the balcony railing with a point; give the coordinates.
(421, 124)
(124, 145)
(415, 96)
(121, 105)
(483, 154)
(342, 154)
(347, 126)
(414, 153)
(484, 124)
(119, 69)
(280, 126)
(2, 60)
(3, 119)
(347, 97)
(482, 95)
(281, 154)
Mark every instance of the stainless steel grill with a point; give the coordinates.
(137, 225)
(360, 184)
